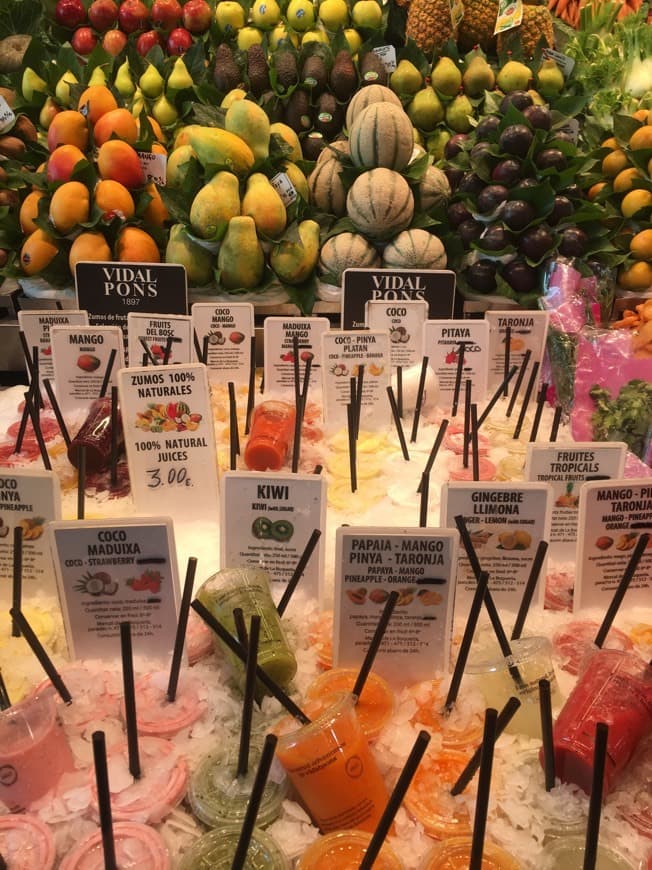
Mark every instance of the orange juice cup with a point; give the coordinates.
(26, 842)
(374, 706)
(272, 429)
(454, 854)
(344, 850)
(330, 765)
(137, 847)
(156, 716)
(428, 798)
(460, 730)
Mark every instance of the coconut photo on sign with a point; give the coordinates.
(222, 339)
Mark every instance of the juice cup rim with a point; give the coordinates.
(342, 704)
(578, 841)
(44, 695)
(233, 575)
(226, 830)
(466, 840)
(523, 648)
(351, 834)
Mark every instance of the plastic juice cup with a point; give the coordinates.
(461, 730)
(95, 693)
(199, 638)
(161, 787)
(217, 848)
(429, 800)
(634, 798)
(34, 751)
(137, 847)
(248, 588)
(26, 843)
(331, 766)
(344, 850)
(532, 656)
(616, 688)
(374, 706)
(568, 854)
(574, 642)
(486, 468)
(156, 716)
(95, 435)
(454, 854)
(272, 431)
(218, 796)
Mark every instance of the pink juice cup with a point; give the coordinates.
(136, 846)
(34, 752)
(615, 687)
(95, 692)
(161, 787)
(156, 716)
(26, 843)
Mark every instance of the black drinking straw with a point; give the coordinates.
(36, 390)
(443, 426)
(240, 626)
(484, 787)
(17, 588)
(81, 481)
(43, 658)
(31, 405)
(104, 800)
(234, 441)
(264, 765)
(467, 640)
(149, 356)
(399, 390)
(114, 436)
(545, 709)
(168, 350)
(519, 380)
(21, 429)
(108, 372)
(504, 718)
(3, 863)
(296, 440)
(528, 591)
(467, 424)
(318, 469)
(621, 589)
(306, 384)
(130, 699)
(204, 350)
(249, 691)
(595, 798)
(238, 649)
(182, 626)
(508, 341)
(556, 421)
(534, 374)
(358, 398)
(251, 384)
(298, 571)
(31, 364)
(541, 400)
(57, 411)
(499, 390)
(295, 371)
(195, 341)
(374, 646)
(475, 449)
(353, 459)
(395, 799)
(424, 489)
(458, 379)
(397, 422)
(5, 700)
(419, 401)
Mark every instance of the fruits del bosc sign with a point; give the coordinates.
(111, 291)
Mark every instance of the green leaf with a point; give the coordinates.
(208, 116)
(303, 295)
(624, 126)
(177, 204)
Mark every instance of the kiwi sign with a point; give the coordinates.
(434, 286)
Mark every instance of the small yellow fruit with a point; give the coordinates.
(614, 163)
(625, 179)
(641, 138)
(634, 201)
(641, 245)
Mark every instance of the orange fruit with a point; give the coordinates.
(117, 122)
(113, 198)
(38, 251)
(89, 246)
(69, 206)
(640, 115)
(635, 201)
(136, 246)
(636, 277)
(29, 210)
(641, 138)
(610, 143)
(96, 101)
(63, 161)
(118, 161)
(68, 128)
(157, 148)
(625, 179)
(155, 212)
(595, 189)
(614, 163)
(640, 245)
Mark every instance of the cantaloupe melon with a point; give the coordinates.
(347, 251)
(326, 188)
(434, 189)
(380, 203)
(381, 135)
(365, 97)
(414, 249)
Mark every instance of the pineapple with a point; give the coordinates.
(429, 24)
(537, 23)
(477, 26)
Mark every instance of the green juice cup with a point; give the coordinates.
(217, 848)
(248, 589)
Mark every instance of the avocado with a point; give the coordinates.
(226, 73)
(344, 78)
(287, 73)
(314, 74)
(372, 70)
(312, 146)
(297, 112)
(329, 116)
(257, 71)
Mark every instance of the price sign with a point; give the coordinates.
(387, 53)
(441, 344)
(36, 326)
(226, 330)
(279, 335)
(404, 323)
(168, 426)
(284, 187)
(528, 330)
(156, 336)
(7, 117)
(81, 358)
(154, 167)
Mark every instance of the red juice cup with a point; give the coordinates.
(429, 801)
(161, 787)
(576, 640)
(615, 688)
(95, 435)
(272, 432)
(344, 850)
(634, 798)
(137, 847)
(330, 765)
(454, 854)
(26, 843)
(34, 751)
(462, 729)
(158, 717)
(375, 705)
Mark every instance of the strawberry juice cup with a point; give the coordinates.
(26, 843)
(137, 847)
(158, 717)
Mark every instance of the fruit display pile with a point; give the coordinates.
(279, 142)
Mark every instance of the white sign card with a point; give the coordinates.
(420, 565)
(612, 516)
(168, 426)
(81, 356)
(506, 521)
(149, 334)
(567, 467)
(404, 322)
(112, 571)
(36, 327)
(267, 522)
(441, 344)
(227, 329)
(279, 334)
(343, 351)
(29, 499)
(528, 330)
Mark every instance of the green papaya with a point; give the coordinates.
(198, 261)
(294, 261)
(215, 204)
(240, 260)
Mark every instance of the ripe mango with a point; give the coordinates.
(38, 251)
(264, 205)
(293, 261)
(198, 262)
(216, 203)
(240, 260)
(220, 148)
